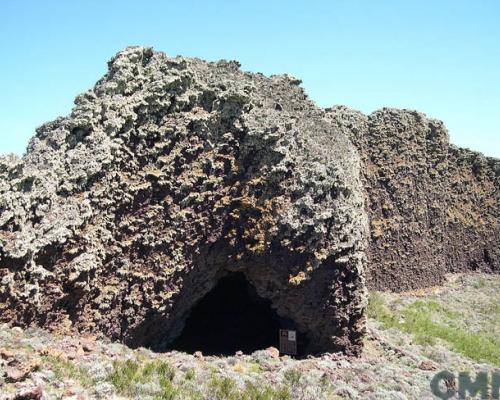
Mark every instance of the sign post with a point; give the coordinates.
(288, 342)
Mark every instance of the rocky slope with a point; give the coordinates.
(396, 364)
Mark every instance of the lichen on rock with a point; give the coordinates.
(169, 174)
(173, 173)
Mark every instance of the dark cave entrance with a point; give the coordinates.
(231, 317)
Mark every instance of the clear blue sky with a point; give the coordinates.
(441, 57)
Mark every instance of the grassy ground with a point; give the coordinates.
(468, 324)
(411, 336)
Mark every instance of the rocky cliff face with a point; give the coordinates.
(433, 208)
(172, 173)
(473, 212)
(405, 167)
(168, 175)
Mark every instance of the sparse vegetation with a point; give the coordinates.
(190, 375)
(226, 389)
(130, 377)
(293, 378)
(424, 320)
(442, 328)
(64, 368)
(127, 375)
(124, 375)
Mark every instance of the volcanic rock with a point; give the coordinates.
(168, 175)
(173, 173)
(433, 208)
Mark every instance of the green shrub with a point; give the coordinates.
(190, 375)
(66, 369)
(222, 388)
(226, 389)
(126, 375)
(263, 392)
(168, 390)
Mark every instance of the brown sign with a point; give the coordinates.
(288, 342)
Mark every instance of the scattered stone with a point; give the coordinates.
(17, 330)
(6, 354)
(88, 345)
(69, 392)
(273, 352)
(52, 352)
(35, 393)
(18, 372)
(75, 352)
(428, 365)
(14, 374)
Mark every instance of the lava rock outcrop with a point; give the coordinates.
(472, 237)
(433, 207)
(169, 174)
(173, 173)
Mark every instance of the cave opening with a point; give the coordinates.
(231, 317)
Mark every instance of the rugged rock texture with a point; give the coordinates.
(433, 208)
(167, 175)
(172, 173)
(405, 161)
(473, 212)
(393, 365)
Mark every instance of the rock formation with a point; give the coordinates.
(433, 208)
(174, 173)
(168, 175)
(473, 212)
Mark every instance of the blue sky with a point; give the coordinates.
(441, 57)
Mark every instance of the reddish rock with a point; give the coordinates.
(51, 352)
(75, 353)
(6, 354)
(69, 392)
(35, 393)
(273, 352)
(18, 372)
(433, 207)
(427, 365)
(198, 355)
(88, 345)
